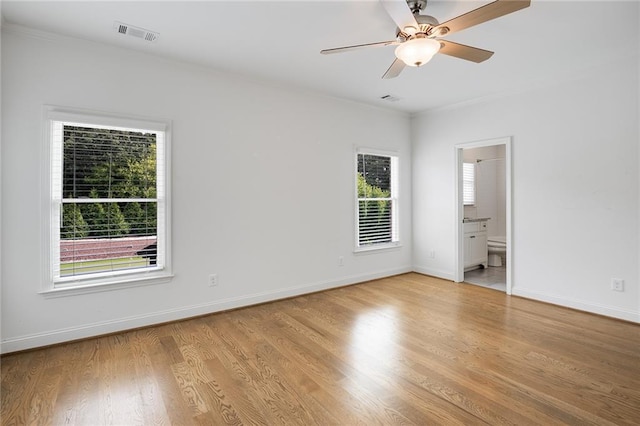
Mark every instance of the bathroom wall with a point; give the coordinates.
(490, 187)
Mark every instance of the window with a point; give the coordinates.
(468, 184)
(107, 180)
(377, 218)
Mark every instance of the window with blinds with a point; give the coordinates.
(468, 184)
(108, 199)
(377, 223)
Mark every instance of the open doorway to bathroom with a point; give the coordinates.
(483, 194)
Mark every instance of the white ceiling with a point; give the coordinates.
(279, 41)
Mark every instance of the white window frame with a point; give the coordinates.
(469, 184)
(395, 222)
(52, 285)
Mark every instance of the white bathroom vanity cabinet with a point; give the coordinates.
(475, 243)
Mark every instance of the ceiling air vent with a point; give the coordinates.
(136, 32)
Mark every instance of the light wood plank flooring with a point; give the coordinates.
(409, 349)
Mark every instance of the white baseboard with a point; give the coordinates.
(445, 275)
(595, 308)
(122, 324)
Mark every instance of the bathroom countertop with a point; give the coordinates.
(475, 219)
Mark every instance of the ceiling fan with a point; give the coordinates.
(418, 36)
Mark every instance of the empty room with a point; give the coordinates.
(320, 212)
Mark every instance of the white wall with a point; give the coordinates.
(491, 195)
(1, 24)
(262, 186)
(575, 186)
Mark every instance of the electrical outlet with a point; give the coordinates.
(213, 280)
(340, 261)
(432, 254)
(617, 284)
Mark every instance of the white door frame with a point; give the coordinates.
(459, 261)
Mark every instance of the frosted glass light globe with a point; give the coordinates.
(417, 51)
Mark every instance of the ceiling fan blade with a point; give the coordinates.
(483, 14)
(394, 70)
(463, 51)
(357, 46)
(400, 13)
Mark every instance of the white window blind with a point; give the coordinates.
(108, 200)
(377, 218)
(468, 184)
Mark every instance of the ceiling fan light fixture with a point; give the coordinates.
(417, 51)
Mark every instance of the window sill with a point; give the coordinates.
(116, 284)
(377, 248)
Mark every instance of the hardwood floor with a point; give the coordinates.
(409, 349)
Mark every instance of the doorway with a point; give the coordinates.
(481, 221)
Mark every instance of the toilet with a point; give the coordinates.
(497, 250)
